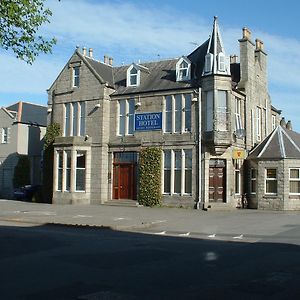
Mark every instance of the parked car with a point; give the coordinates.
(27, 192)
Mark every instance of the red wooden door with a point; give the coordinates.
(124, 181)
(217, 184)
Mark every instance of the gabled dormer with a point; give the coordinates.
(216, 61)
(133, 75)
(183, 69)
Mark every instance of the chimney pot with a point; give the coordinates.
(105, 59)
(289, 125)
(259, 44)
(246, 33)
(111, 61)
(282, 122)
(91, 52)
(84, 51)
(233, 59)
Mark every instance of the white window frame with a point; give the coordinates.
(253, 180)
(130, 75)
(72, 167)
(238, 114)
(79, 117)
(273, 122)
(128, 116)
(258, 124)
(221, 114)
(76, 168)
(181, 69)
(76, 76)
(237, 177)
(271, 179)
(4, 135)
(221, 62)
(174, 112)
(208, 63)
(183, 168)
(294, 180)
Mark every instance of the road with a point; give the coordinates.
(204, 256)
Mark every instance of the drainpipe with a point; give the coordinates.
(198, 205)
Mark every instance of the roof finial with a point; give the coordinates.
(215, 18)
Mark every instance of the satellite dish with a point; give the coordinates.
(240, 133)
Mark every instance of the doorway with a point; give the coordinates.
(217, 180)
(125, 175)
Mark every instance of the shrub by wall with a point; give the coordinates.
(150, 177)
(53, 130)
(22, 172)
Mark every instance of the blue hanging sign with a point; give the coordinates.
(148, 121)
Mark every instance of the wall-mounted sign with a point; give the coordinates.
(148, 121)
(238, 154)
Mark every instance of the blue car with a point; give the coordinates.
(26, 193)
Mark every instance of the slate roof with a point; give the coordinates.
(31, 113)
(281, 143)
(103, 70)
(161, 75)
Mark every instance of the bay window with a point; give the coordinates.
(74, 116)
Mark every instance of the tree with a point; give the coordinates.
(20, 21)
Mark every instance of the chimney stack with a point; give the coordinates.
(91, 52)
(110, 60)
(246, 33)
(84, 51)
(259, 44)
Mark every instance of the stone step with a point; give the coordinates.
(219, 206)
(122, 202)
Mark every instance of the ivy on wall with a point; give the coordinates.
(53, 130)
(150, 176)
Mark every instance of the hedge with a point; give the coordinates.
(150, 176)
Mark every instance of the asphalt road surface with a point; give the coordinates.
(41, 262)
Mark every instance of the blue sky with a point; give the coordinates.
(148, 30)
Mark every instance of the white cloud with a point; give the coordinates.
(129, 33)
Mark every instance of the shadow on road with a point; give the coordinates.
(57, 262)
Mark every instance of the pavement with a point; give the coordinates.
(239, 225)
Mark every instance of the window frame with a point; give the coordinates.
(76, 76)
(76, 169)
(131, 75)
(238, 114)
(271, 179)
(182, 168)
(176, 115)
(294, 180)
(74, 118)
(253, 180)
(258, 123)
(237, 177)
(180, 69)
(127, 117)
(4, 135)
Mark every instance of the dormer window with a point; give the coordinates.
(221, 62)
(183, 69)
(208, 63)
(133, 76)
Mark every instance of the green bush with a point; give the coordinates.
(150, 176)
(53, 130)
(22, 172)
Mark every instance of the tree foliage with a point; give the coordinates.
(22, 172)
(20, 21)
(150, 176)
(53, 130)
